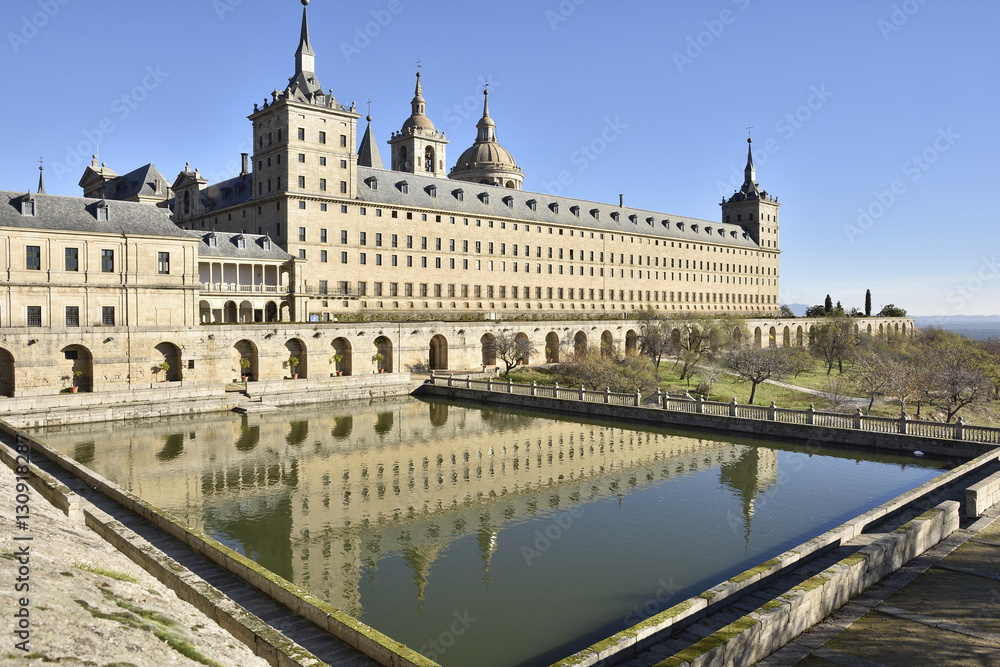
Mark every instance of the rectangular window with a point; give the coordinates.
(323, 287)
(302, 253)
(378, 240)
(363, 238)
(72, 259)
(302, 134)
(302, 181)
(34, 316)
(302, 234)
(302, 158)
(393, 289)
(343, 187)
(108, 261)
(343, 258)
(33, 258)
(363, 259)
(395, 241)
(408, 289)
(363, 289)
(378, 289)
(322, 256)
(343, 141)
(72, 316)
(322, 137)
(322, 185)
(108, 316)
(163, 263)
(343, 236)
(322, 236)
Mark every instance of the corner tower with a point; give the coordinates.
(303, 139)
(753, 209)
(418, 148)
(487, 161)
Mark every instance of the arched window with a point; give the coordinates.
(429, 159)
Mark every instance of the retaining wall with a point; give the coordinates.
(981, 496)
(268, 643)
(962, 449)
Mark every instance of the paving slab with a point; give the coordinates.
(953, 596)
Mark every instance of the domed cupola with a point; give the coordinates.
(487, 161)
(418, 148)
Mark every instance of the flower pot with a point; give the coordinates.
(243, 378)
(73, 390)
(381, 370)
(339, 373)
(295, 376)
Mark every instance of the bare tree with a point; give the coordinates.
(702, 337)
(956, 369)
(832, 341)
(654, 336)
(509, 348)
(755, 365)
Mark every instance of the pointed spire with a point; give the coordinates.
(418, 103)
(41, 177)
(749, 173)
(305, 57)
(368, 155)
(487, 127)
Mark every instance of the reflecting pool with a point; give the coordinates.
(481, 536)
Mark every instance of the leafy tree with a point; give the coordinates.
(615, 371)
(816, 311)
(800, 361)
(868, 303)
(702, 337)
(786, 311)
(828, 304)
(509, 348)
(832, 341)
(755, 365)
(889, 310)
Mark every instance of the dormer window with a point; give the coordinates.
(509, 201)
(372, 182)
(666, 223)
(29, 207)
(614, 216)
(708, 230)
(532, 204)
(432, 191)
(680, 225)
(733, 233)
(554, 207)
(459, 194)
(103, 212)
(575, 210)
(213, 241)
(694, 228)
(484, 197)
(404, 187)
(266, 243)
(241, 242)
(650, 221)
(634, 218)
(596, 214)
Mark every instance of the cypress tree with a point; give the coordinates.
(828, 304)
(868, 303)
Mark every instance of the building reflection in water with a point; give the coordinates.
(321, 495)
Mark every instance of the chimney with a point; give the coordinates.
(245, 171)
(621, 201)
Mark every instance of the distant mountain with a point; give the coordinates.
(980, 327)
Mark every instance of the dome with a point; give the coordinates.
(486, 161)
(486, 154)
(418, 122)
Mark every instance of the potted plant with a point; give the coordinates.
(74, 388)
(244, 368)
(548, 355)
(293, 363)
(378, 357)
(337, 358)
(164, 367)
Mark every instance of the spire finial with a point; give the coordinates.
(369, 110)
(41, 179)
(749, 127)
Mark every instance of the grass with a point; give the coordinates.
(111, 574)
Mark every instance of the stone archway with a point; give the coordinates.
(489, 349)
(607, 344)
(271, 312)
(580, 343)
(230, 313)
(77, 367)
(244, 349)
(246, 312)
(383, 348)
(631, 342)
(552, 348)
(204, 312)
(800, 338)
(772, 337)
(757, 337)
(438, 356)
(7, 378)
(521, 340)
(296, 348)
(169, 354)
(342, 347)
(786, 337)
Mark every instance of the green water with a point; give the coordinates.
(484, 537)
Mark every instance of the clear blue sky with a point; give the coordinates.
(848, 101)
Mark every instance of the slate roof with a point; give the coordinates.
(139, 183)
(235, 191)
(78, 214)
(665, 226)
(228, 249)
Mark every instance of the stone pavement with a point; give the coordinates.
(943, 608)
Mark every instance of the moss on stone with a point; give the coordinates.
(770, 606)
(812, 583)
(752, 572)
(854, 559)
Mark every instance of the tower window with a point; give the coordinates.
(302, 134)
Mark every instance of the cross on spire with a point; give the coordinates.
(419, 65)
(749, 127)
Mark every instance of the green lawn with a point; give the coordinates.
(727, 386)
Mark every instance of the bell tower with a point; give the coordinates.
(753, 209)
(418, 148)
